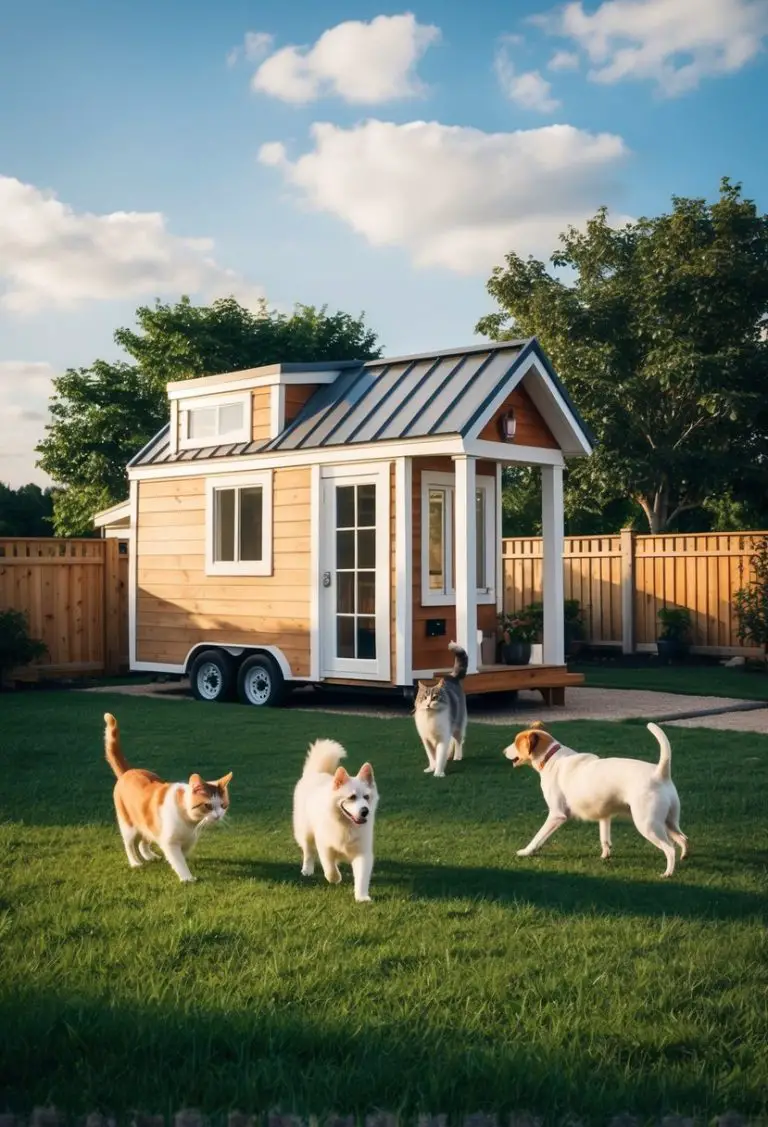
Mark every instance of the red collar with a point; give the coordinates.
(550, 752)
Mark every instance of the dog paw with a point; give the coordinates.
(605, 855)
(523, 853)
(187, 880)
(307, 872)
(428, 770)
(363, 899)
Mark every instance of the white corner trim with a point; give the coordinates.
(243, 434)
(133, 572)
(466, 556)
(553, 594)
(239, 481)
(276, 410)
(173, 431)
(315, 579)
(403, 570)
(499, 542)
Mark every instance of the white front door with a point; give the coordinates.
(355, 573)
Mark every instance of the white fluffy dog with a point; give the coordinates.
(581, 785)
(333, 815)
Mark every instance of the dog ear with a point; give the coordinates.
(366, 773)
(340, 778)
(533, 740)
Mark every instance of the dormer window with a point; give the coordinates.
(214, 421)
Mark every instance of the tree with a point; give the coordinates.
(26, 511)
(751, 601)
(658, 337)
(104, 414)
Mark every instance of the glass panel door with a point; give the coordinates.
(355, 572)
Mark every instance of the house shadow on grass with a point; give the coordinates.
(567, 893)
(82, 1054)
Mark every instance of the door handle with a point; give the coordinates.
(326, 579)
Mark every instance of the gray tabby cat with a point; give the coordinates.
(441, 715)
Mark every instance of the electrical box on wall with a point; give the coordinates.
(435, 627)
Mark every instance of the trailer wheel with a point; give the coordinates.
(260, 682)
(212, 676)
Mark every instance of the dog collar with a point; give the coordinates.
(550, 752)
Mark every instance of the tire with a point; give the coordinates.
(260, 682)
(212, 676)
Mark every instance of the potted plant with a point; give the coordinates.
(519, 630)
(574, 627)
(672, 643)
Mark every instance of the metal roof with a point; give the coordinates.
(386, 400)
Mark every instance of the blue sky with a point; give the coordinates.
(153, 149)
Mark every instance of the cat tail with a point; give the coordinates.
(460, 661)
(112, 750)
(323, 757)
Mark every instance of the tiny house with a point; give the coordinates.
(340, 523)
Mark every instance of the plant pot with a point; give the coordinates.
(671, 649)
(515, 653)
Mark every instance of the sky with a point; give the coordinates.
(371, 158)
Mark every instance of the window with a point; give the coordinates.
(239, 525)
(212, 422)
(437, 534)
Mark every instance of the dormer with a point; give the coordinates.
(250, 406)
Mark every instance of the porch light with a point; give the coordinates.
(508, 426)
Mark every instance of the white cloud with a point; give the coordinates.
(564, 60)
(528, 89)
(51, 255)
(364, 63)
(25, 389)
(672, 43)
(255, 45)
(452, 196)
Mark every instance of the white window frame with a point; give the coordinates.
(446, 481)
(242, 434)
(239, 481)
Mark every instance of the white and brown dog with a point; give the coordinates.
(581, 785)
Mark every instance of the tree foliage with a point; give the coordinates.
(751, 601)
(658, 337)
(102, 415)
(26, 511)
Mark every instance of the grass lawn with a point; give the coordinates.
(475, 980)
(696, 680)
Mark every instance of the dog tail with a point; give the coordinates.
(664, 768)
(112, 749)
(323, 757)
(460, 661)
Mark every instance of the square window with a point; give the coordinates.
(239, 515)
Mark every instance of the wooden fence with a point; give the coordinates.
(75, 595)
(622, 581)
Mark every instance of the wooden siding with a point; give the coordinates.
(178, 605)
(612, 575)
(531, 428)
(296, 395)
(75, 596)
(430, 653)
(261, 414)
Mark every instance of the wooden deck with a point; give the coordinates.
(550, 680)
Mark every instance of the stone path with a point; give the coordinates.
(722, 713)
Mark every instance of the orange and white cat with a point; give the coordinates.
(169, 815)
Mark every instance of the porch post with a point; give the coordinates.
(553, 543)
(465, 567)
(404, 571)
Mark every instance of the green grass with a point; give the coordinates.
(693, 680)
(475, 980)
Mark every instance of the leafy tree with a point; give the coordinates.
(26, 511)
(751, 601)
(658, 337)
(104, 414)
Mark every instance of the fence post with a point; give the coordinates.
(112, 606)
(627, 591)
